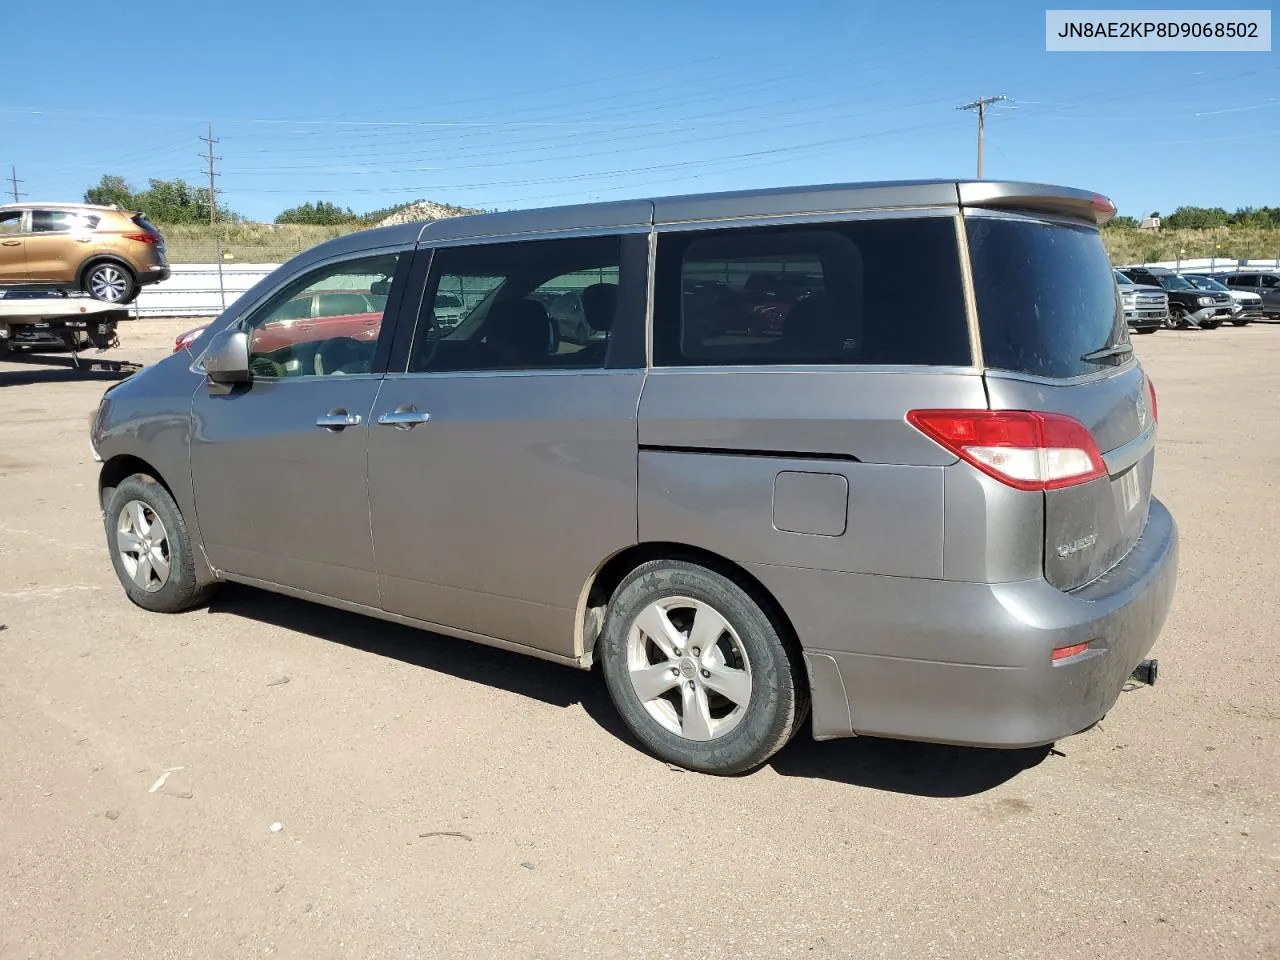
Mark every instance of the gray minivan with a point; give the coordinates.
(925, 516)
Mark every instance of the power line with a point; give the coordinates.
(981, 105)
(13, 179)
(213, 189)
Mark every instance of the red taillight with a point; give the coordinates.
(1062, 653)
(142, 237)
(1155, 407)
(186, 339)
(1022, 448)
(1103, 206)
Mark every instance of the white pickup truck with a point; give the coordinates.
(71, 322)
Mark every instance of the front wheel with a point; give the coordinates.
(150, 549)
(1239, 323)
(699, 672)
(110, 283)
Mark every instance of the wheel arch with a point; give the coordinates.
(605, 579)
(118, 468)
(98, 258)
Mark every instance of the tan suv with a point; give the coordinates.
(107, 252)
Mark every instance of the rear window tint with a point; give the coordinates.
(1046, 296)
(145, 224)
(866, 292)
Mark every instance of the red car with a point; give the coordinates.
(315, 315)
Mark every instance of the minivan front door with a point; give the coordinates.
(502, 465)
(280, 483)
(278, 464)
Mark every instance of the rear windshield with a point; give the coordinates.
(146, 224)
(1046, 297)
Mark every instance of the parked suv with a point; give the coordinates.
(1188, 307)
(1146, 308)
(1266, 284)
(928, 519)
(1247, 306)
(107, 252)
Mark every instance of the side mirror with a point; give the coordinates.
(227, 359)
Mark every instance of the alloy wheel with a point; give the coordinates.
(143, 545)
(689, 668)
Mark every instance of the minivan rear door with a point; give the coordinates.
(1054, 339)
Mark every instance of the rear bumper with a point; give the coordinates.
(969, 663)
(154, 274)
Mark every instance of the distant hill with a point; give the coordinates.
(414, 211)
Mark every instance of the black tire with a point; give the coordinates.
(4, 348)
(1210, 324)
(118, 273)
(1147, 330)
(1179, 319)
(778, 703)
(1239, 323)
(181, 590)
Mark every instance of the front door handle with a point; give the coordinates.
(338, 419)
(403, 418)
(10, 243)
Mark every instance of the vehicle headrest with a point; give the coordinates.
(600, 303)
(522, 326)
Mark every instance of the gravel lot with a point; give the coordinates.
(439, 799)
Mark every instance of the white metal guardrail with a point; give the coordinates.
(198, 289)
(1213, 265)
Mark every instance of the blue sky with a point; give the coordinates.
(503, 104)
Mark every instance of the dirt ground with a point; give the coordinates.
(439, 799)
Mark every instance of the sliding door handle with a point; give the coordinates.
(403, 418)
(338, 419)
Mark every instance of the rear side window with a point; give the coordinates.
(1046, 297)
(867, 292)
(51, 221)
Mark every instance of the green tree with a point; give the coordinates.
(1123, 223)
(322, 212)
(164, 201)
(110, 189)
(1200, 218)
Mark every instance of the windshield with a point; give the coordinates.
(1172, 281)
(1122, 280)
(1207, 283)
(1047, 300)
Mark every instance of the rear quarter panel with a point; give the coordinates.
(715, 444)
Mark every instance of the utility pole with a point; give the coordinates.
(213, 190)
(13, 179)
(981, 105)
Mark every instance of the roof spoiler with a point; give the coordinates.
(1036, 198)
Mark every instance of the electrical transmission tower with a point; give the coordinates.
(213, 190)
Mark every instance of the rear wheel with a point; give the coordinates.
(110, 282)
(150, 549)
(698, 670)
